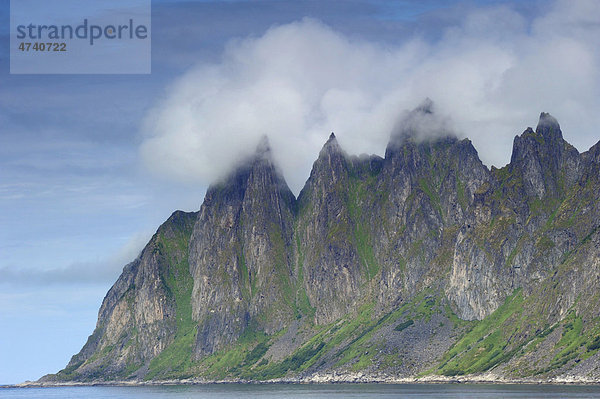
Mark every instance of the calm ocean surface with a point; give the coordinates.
(309, 391)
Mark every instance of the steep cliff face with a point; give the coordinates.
(139, 316)
(240, 254)
(547, 163)
(508, 242)
(423, 262)
(549, 327)
(333, 274)
(432, 185)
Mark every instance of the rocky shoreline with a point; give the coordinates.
(328, 378)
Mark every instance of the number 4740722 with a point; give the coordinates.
(37, 46)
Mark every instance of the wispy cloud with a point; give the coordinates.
(492, 73)
(93, 273)
(100, 272)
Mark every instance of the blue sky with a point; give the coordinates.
(90, 165)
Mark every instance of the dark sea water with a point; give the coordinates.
(291, 391)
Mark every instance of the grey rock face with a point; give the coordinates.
(331, 266)
(433, 186)
(426, 234)
(493, 259)
(137, 318)
(547, 163)
(240, 254)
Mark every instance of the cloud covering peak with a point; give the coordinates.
(489, 76)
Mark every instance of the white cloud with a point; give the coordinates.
(492, 74)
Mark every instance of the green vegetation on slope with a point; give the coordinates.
(238, 359)
(359, 190)
(487, 343)
(176, 359)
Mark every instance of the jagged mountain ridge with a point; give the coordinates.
(418, 262)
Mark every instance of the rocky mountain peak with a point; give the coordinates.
(332, 161)
(548, 127)
(330, 167)
(331, 147)
(257, 173)
(545, 140)
(263, 148)
(544, 159)
(238, 253)
(262, 155)
(594, 153)
(426, 107)
(421, 125)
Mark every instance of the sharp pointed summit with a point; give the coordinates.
(546, 162)
(422, 124)
(426, 107)
(548, 127)
(331, 146)
(263, 148)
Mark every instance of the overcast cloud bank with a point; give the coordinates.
(490, 76)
